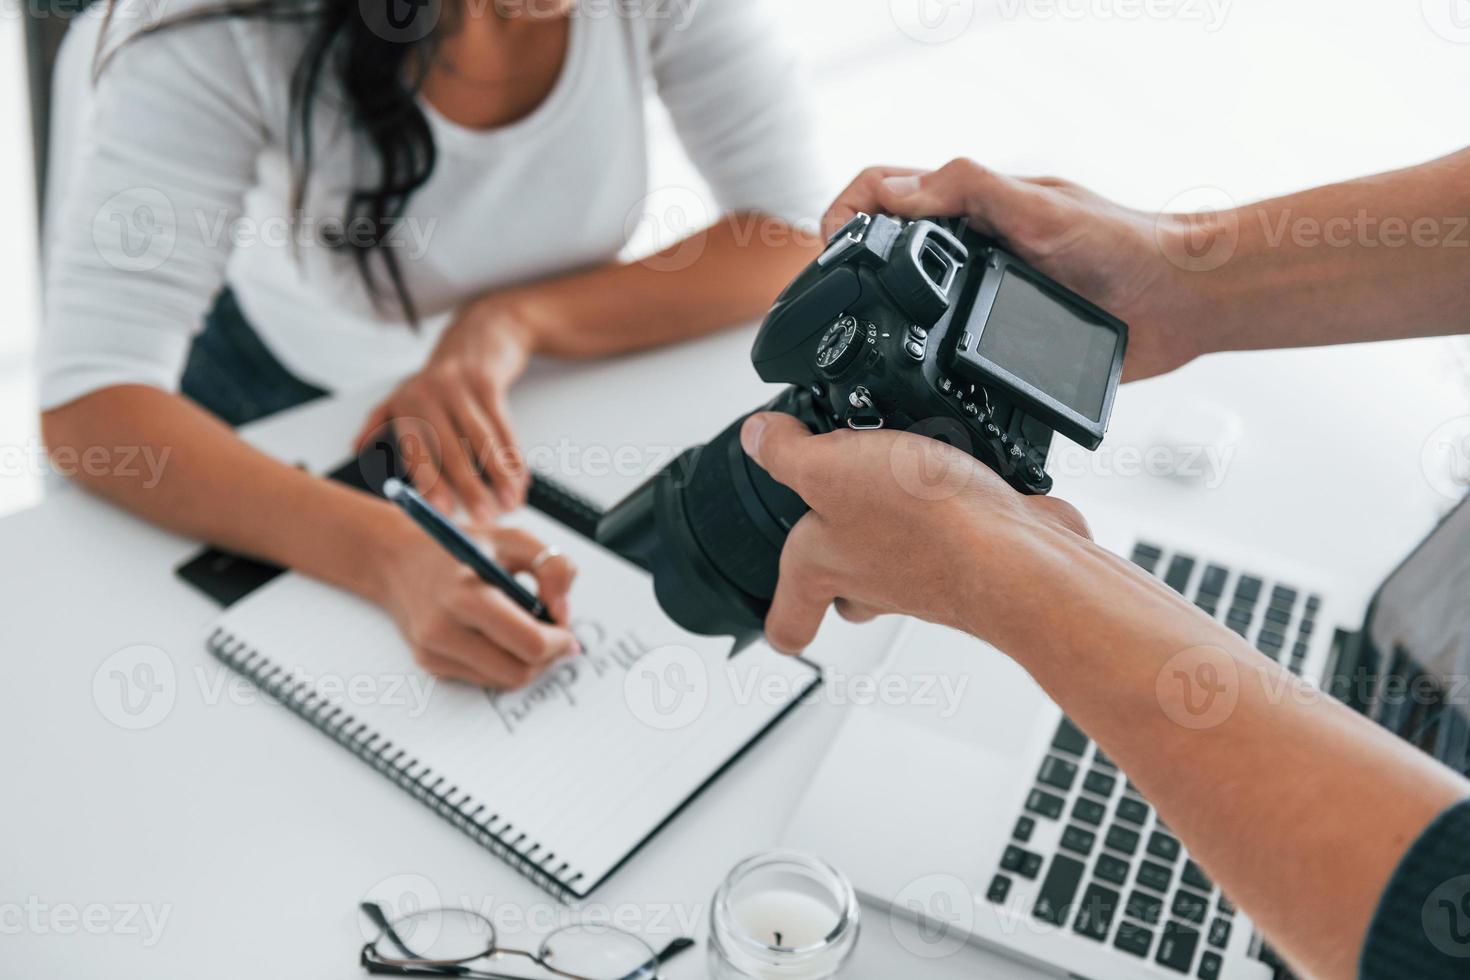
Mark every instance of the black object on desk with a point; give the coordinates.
(227, 577)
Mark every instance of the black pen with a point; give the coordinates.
(458, 544)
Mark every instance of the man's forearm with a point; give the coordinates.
(1378, 258)
(718, 277)
(1242, 759)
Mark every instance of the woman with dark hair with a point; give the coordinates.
(262, 201)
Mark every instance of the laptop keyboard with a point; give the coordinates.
(1117, 875)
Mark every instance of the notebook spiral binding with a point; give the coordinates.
(400, 766)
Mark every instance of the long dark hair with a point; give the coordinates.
(377, 51)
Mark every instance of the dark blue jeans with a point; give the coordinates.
(231, 373)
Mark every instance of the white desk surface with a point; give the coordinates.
(256, 838)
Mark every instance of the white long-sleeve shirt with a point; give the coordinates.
(171, 180)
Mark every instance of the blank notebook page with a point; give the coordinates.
(571, 773)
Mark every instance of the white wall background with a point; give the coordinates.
(1146, 100)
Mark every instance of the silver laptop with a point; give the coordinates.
(990, 818)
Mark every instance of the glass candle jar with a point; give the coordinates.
(782, 915)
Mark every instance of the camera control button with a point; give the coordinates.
(946, 386)
(915, 350)
(970, 409)
(918, 333)
(992, 430)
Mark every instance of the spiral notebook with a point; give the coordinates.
(564, 780)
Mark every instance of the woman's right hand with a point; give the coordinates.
(1129, 262)
(462, 629)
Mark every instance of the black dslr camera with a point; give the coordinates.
(900, 324)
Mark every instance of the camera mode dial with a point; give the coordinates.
(840, 346)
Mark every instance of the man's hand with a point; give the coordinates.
(452, 420)
(1117, 257)
(899, 523)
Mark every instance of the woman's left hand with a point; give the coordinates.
(451, 420)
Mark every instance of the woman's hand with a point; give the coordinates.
(1131, 263)
(462, 629)
(452, 422)
(901, 523)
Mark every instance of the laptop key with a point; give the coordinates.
(1176, 946)
(1088, 811)
(1180, 568)
(1247, 590)
(1024, 826)
(1101, 761)
(1121, 839)
(1095, 914)
(1057, 772)
(1131, 810)
(1020, 861)
(1079, 840)
(1163, 847)
(1145, 907)
(1154, 876)
(1045, 804)
(1209, 966)
(1213, 581)
(1194, 876)
(1134, 938)
(1057, 890)
(1146, 556)
(1224, 906)
(1219, 933)
(1069, 738)
(1188, 905)
(1000, 887)
(1099, 782)
(1111, 869)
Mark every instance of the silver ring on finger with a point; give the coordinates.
(547, 553)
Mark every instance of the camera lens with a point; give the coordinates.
(710, 527)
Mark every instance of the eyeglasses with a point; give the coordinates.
(443, 942)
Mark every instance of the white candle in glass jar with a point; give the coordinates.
(783, 915)
(786, 918)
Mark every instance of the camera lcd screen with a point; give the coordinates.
(1049, 344)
